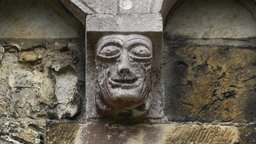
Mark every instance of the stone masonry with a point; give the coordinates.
(127, 72)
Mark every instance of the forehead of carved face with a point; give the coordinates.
(123, 63)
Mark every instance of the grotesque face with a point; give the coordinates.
(123, 63)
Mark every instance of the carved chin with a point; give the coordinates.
(125, 95)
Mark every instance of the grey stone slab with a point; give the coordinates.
(121, 6)
(124, 23)
(101, 6)
(135, 6)
(157, 5)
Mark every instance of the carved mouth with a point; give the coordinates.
(125, 83)
(125, 80)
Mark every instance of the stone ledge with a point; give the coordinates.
(101, 133)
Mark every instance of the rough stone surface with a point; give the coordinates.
(40, 81)
(210, 71)
(66, 91)
(210, 84)
(41, 68)
(28, 56)
(22, 131)
(1, 53)
(248, 134)
(62, 133)
(210, 64)
(142, 134)
(213, 19)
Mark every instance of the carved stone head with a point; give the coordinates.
(123, 63)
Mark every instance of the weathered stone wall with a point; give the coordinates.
(208, 65)
(39, 80)
(41, 70)
(211, 62)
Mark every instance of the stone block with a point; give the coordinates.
(135, 6)
(28, 56)
(22, 131)
(94, 132)
(206, 83)
(124, 23)
(21, 79)
(62, 133)
(118, 6)
(158, 4)
(66, 92)
(101, 6)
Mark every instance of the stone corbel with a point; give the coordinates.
(123, 54)
(123, 75)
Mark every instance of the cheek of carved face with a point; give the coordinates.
(124, 71)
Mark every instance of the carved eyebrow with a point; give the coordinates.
(109, 41)
(112, 43)
(139, 41)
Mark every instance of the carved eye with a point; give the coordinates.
(110, 51)
(141, 52)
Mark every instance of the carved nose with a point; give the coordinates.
(124, 67)
(124, 71)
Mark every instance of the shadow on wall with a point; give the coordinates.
(37, 19)
(211, 62)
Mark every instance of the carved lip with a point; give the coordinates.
(125, 80)
(126, 83)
